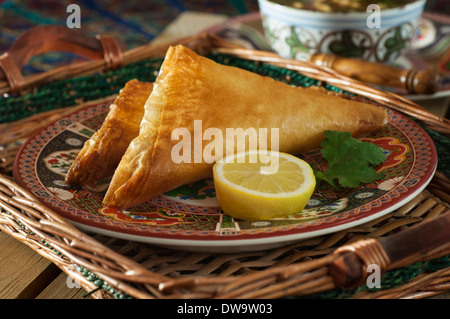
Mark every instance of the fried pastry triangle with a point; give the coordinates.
(191, 90)
(102, 153)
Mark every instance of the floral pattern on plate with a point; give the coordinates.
(60, 162)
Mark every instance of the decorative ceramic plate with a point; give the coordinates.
(189, 217)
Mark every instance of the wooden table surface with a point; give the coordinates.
(24, 274)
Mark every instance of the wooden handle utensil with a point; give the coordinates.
(413, 81)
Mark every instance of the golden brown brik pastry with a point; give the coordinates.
(190, 87)
(102, 153)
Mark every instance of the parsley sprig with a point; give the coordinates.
(351, 161)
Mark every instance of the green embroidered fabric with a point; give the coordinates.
(74, 91)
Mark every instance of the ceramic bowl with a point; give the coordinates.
(378, 35)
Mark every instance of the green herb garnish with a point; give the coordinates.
(351, 161)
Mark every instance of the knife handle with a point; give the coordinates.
(427, 240)
(414, 81)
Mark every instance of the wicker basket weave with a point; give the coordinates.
(117, 268)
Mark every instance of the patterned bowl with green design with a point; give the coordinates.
(376, 34)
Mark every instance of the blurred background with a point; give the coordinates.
(144, 21)
(136, 22)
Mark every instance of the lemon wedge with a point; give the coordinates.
(259, 185)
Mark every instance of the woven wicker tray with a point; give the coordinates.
(321, 267)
